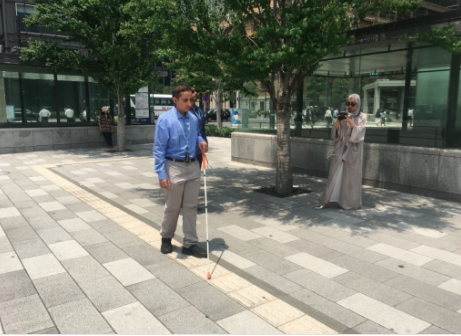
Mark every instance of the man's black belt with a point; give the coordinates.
(179, 160)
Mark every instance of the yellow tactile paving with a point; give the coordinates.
(275, 311)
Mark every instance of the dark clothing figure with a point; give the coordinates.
(198, 113)
(105, 127)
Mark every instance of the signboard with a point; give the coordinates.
(142, 106)
(206, 98)
(10, 112)
(236, 117)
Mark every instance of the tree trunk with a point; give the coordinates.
(218, 99)
(284, 174)
(121, 122)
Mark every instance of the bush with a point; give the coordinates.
(213, 130)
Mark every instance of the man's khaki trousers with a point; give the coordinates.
(183, 193)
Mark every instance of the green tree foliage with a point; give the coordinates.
(249, 39)
(119, 42)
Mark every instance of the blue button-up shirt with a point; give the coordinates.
(198, 112)
(175, 136)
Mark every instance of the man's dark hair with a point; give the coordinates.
(178, 89)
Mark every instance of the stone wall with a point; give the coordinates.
(16, 140)
(425, 171)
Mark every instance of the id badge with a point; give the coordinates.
(187, 158)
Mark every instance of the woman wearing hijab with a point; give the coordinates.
(344, 184)
(105, 126)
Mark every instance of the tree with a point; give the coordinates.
(254, 38)
(120, 41)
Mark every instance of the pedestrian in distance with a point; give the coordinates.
(105, 126)
(344, 184)
(44, 114)
(69, 113)
(378, 116)
(175, 150)
(383, 118)
(335, 113)
(200, 115)
(328, 117)
(410, 117)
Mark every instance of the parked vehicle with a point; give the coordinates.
(211, 115)
(30, 115)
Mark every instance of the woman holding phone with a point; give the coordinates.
(344, 184)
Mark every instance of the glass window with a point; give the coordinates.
(39, 96)
(23, 11)
(10, 98)
(71, 98)
(99, 97)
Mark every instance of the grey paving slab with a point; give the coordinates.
(392, 240)
(58, 289)
(314, 249)
(313, 236)
(370, 327)
(79, 317)
(190, 320)
(157, 297)
(20, 234)
(107, 293)
(329, 308)
(247, 323)
(434, 314)
(412, 271)
(282, 283)
(53, 236)
(85, 269)
(351, 238)
(51, 331)
(271, 262)
(106, 226)
(5, 245)
(363, 268)
(88, 237)
(275, 248)
(43, 223)
(128, 271)
(30, 248)
(210, 301)
(73, 224)
(79, 207)
(122, 238)
(426, 292)
(433, 330)
(144, 254)
(134, 319)
(357, 252)
(15, 285)
(24, 315)
(422, 240)
(9, 262)
(325, 287)
(444, 268)
(173, 274)
(373, 289)
(106, 252)
(13, 222)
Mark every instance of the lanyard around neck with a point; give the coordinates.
(183, 132)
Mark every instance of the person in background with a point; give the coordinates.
(328, 117)
(69, 113)
(410, 117)
(176, 138)
(198, 113)
(344, 184)
(335, 113)
(44, 114)
(105, 126)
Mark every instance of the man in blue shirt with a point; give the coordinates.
(177, 140)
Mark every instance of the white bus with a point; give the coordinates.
(161, 103)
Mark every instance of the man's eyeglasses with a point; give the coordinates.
(350, 104)
(193, 91)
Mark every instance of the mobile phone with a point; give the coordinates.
(342, 115)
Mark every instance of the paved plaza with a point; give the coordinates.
(79, 253)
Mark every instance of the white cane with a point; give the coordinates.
(208, 276)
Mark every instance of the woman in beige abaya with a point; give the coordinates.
(344, 184)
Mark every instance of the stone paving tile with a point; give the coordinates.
(24, 315)
(67, 200)
(145, 254)
(370, 327)
(36, 192)
(85, 269)
(439, 254)
(54, 235)
(317, 265)
(282, 283)
(68, 250)
(79, 317)
(314, 249)
(229, 283)
(400, 254)
(409, 270)
(19, 234)
(251, 296)
(42, 266)
(306, 325)
(277, 312)
(389, 317)
(190, 320)
(106, 293)
(15, 285)
(134, 319)
(452, 285)
(275, 248)
(247, 323)
(5, 245)
(90, 216)
(313, 236)
(9, 262)
(433, 330)
(373, 289)
(422, 240)
(74, 224)
(13, 222)
(58, 289)
(121, 238)
(106, 226)
(51, 331)
(52, 206)
(277, 235)
(444, 268)
(432, 313)
(173, 274)
(210, 301)
(88, 237)
(325, 287)
(240, 233)
(79, 207)
(62, 215)
(157, 297)
(234, 259)
(271, 262)
(357, 252)
(385, 238)
(9, 212)
(128, 271)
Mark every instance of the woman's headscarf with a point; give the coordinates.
(357, 99)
